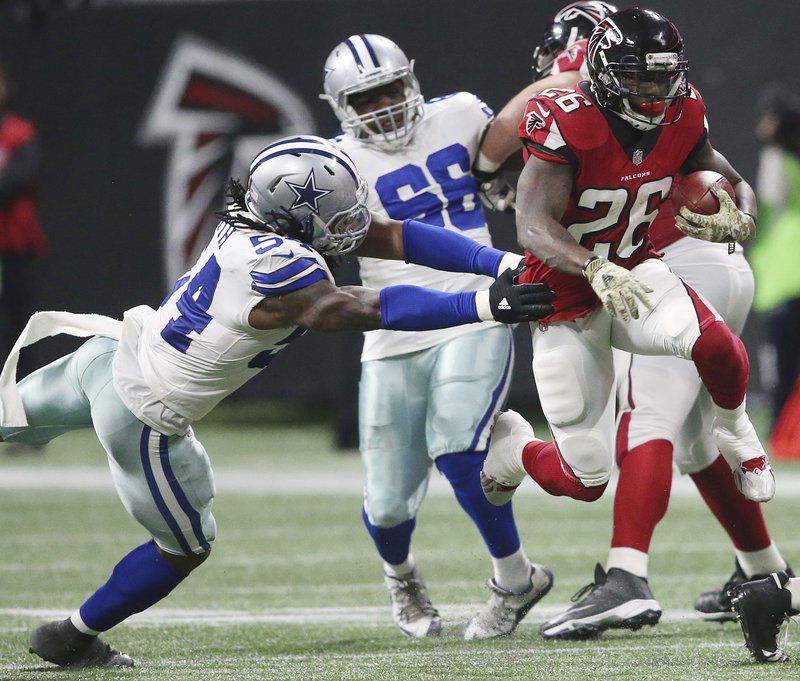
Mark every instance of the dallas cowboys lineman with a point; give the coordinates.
(260, 283)
(429, 397)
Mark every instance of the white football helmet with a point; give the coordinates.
(308, 189)
(364, 62)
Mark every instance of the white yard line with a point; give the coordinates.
(296, 483)
(452, 614)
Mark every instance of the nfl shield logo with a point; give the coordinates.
(638, 157)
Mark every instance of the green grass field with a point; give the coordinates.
(293, 589)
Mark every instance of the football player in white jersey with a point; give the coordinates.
(261, 282)
(426, 398)
(654, 393)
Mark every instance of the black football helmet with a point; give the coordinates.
(571, 23)
(637, 67)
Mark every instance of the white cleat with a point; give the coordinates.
(502, 470)
(755, 480)
(738, 442)
(505, 610)
(412, 609)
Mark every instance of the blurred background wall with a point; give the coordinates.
(145, 107)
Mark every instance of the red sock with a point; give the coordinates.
(721, 360)
(740, 518)
(642, 496)
(544, 464)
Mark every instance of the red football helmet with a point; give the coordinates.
(571, 23)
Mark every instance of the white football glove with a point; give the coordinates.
(617, 288)
(495, 192)
(727, 224)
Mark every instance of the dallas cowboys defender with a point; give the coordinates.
(429, 397)
(260, 283)
(601, 158)
(664, 412)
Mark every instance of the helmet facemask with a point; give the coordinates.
(390, 127)
(644, 93)
(361, 64)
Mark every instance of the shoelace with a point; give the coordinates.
(408, 592)
(585, 591)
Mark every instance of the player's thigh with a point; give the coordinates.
(657, 395)
(574, 372)
(672, 326)
(165, 482)
(53, 397)
(724, 280)
(393, 399)
(469, 385)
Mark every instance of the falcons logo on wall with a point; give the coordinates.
(216, 110)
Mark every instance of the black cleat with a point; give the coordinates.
(616, 600)
(61, 643)
(715, 605)
(763, 607)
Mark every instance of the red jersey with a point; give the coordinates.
(621, 177)
(571, 59)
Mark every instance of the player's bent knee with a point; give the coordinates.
(589, 459)
(184, 563)
(583, 493)
(387, 512)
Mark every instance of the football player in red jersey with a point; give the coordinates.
(651, 430)
(601, 159)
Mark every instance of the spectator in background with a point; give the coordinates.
(21, 238)
(775, 256)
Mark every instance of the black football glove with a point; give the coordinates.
(495, 193)
(511, 302)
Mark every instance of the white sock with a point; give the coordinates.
(631, 560)
(402, 569)
(761, 562)
(793, 587)
(80, 625)
(513, 573)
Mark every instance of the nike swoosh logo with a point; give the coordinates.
(288, 255)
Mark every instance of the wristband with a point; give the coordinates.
(484, 165)
(587, 266)
(483, 306)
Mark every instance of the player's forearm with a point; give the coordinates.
(552, 244)
(444, 249)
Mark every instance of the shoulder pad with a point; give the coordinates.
(464, 100)
(569, 111)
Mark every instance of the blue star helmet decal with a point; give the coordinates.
(308, 194)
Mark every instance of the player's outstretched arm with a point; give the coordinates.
(432, 246)
(324, 307)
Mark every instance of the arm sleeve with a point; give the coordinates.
(443, 249)
(413, 308)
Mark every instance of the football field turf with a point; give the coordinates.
(294, 589)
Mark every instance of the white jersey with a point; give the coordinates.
(176, 363)
(430, 180)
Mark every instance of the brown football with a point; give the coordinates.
(694, 192)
